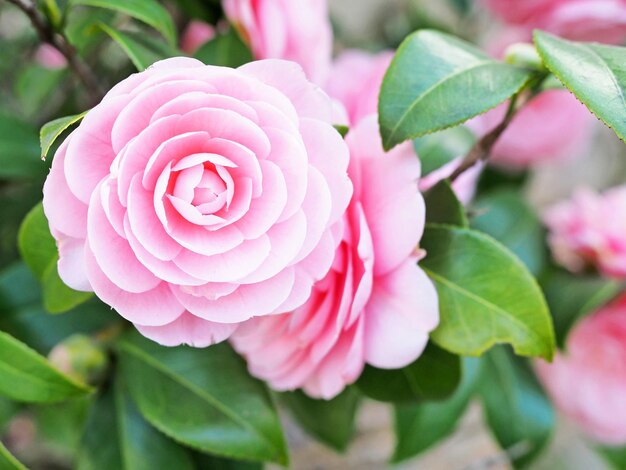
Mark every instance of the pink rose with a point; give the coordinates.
(583, 20)
(297, 30)
(195, 197)
(552, 126)
(376, 305)
(50, 57)
(590, 230)
(195, 35)
(588, 382)
(355, 80)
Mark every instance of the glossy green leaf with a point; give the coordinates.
(436, 81)
(518, 412)
(418, 427)
(52, 130)
(595, 73)
(329, 421)
(227, 50)
(19, 150)
(204, 398)
(23, 316)
(486, 295)
(211, 462)
(148, 11)
(572, 297)
(435, 375)
(39, 251)
(118, 437)
(443, 207)
(141, 49)
(7, 461)
(439, 148)
(26, 376)
(507, 217)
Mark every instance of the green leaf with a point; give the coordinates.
(435, 150)
(329, 421)
(210, 462)
(142, 50)
(486, 295)
(26, 376)
(39, 251)
(7, 461)
(23, 316)
(436, 81)
(8, 409)
(518, 412)
(19, 150)
(614, 456)
(227, 50)
(148, 11)
(507, 217)
(60, 425)
(443, 207)
(435, 375)
(118, 437)
(204, 398)
(595, 73)
(52, 130)
(418, 427)
(572, 297)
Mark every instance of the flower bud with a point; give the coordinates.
(80, 357)
(524, 55)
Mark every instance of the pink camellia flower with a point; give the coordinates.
(376, 305)
(590, 229)
(588, 381)
(195, 35)
(583, 20)
(551, 127)
(297, 30)
(195, 197)
(49, 57)
(355, 80)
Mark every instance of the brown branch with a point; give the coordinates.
(60, 42)
(482, 149)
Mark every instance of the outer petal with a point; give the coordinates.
(402, 311)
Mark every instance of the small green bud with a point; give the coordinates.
(80, 357)
(524, 55)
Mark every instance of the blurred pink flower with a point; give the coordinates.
(195, 197)
(590, 229)
(588, 381)
(49, 57)
(583, 20)
(297, 30)
(355, 80)
(376, 305)
(195, 35)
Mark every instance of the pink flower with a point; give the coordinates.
(355, 80)
(195, 35)
(583, 20)
(552, 126)
(588, 382)
(376, 305)
(590, 230)
(297, 30)
(195, 197)
(49, 57)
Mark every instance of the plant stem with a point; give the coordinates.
(60, 42)
(482, 149)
